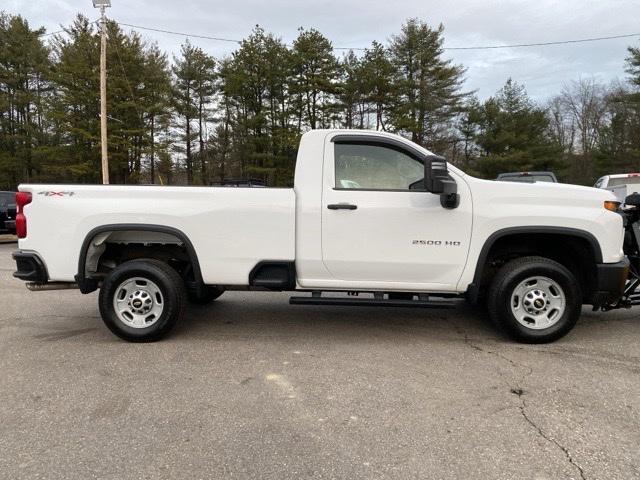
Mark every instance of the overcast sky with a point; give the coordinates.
(355, 23)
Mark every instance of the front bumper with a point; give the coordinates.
(30, 267)
(609, 282)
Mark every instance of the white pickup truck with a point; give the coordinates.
(621, 185)
(372, 215)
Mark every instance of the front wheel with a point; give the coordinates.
(534, 300)
(141, 300)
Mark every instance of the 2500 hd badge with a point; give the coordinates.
(437, 243)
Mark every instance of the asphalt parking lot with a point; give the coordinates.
(250, 387)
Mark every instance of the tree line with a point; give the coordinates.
(198, 120)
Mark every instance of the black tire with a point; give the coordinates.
(173, 299)
(507, 280)
(207, 295)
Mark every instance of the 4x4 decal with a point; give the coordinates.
(57, 194)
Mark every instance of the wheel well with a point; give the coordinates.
(107, 247)
(575, 252)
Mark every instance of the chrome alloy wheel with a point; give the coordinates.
(138, 302)
(538, 303)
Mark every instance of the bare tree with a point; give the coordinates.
(583, 100)
(582, 104)
(562, 127)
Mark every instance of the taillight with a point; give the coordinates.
(22, 199)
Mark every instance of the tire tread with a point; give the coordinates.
(499, 284)
(155, 267)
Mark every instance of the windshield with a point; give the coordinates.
(528, 178)
(624, 181)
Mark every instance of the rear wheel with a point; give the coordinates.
(534, 300)
(141, 300)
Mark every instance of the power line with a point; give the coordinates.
(51, 33)
(218, 39)
(481, 47)
(95, 22)
(560, 42)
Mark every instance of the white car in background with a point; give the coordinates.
(622, 185)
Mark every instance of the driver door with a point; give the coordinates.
(380, 228)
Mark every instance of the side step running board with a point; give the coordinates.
(369, 302)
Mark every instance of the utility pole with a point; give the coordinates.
(102, 4)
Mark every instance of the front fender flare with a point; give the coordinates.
(473, 290)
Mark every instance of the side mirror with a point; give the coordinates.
(436, 174)
(438, 181)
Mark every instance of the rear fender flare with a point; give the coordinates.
(88, 285)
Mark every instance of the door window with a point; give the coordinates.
(360, 166)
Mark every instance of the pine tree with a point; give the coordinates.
(24, 68)
(185, 73)
(351, 91)
(256, 83)
(633, 65)
(377, 71)
(315, 77)
(74, 110)
(126, 104)
(156, 94)
(513, 134)
(195, 75)
(204, 89)
(427, 95)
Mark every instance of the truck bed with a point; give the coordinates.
(231, 229)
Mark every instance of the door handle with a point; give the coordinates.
(341, 206)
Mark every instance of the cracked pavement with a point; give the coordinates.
(251, 387)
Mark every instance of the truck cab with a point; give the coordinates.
(374, 223)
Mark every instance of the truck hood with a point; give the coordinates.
(544, 193)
